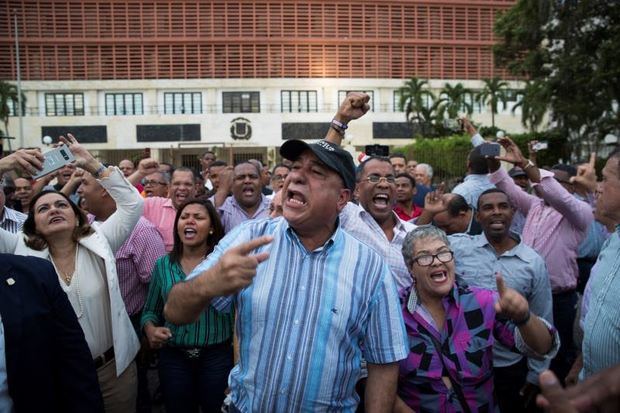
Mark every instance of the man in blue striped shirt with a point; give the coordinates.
(311, 299)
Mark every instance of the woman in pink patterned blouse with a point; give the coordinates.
(452, 328)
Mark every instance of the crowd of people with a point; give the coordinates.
(314, 285)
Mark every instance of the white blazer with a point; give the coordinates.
(104, 242)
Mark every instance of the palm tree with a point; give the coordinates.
(494, 91)
(455, 100)
(413, 98)
(8, 93)
(533, 103)
(430, 118)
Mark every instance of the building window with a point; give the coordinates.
(123, 104)
(240, 102)
(512, 97)
(182, 103)
(427, 101)
(396, 101)
(472, 99)
(298, 101)
(12, 105)
(64, 104)
(343, 93)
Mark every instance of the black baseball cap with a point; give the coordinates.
(516, 171)
(332, 155)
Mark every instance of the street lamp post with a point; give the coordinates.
(19, 85)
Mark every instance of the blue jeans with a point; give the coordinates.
(189, 382)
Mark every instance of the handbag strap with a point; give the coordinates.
(457, 387)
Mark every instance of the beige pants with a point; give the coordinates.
(119, 393)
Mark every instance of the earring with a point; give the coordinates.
(210, 232)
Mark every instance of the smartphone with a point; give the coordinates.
(54, 160)
(453, 124)
(489, 149)
(539, 146)
(377, 150)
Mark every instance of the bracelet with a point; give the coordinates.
(524, 321)
(339, 125)
(529, 164)
(334, 127)
(99, 171)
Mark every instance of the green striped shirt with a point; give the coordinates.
(212, 327)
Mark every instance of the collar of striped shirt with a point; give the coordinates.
(12, 220)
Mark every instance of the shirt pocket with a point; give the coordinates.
(476, 360)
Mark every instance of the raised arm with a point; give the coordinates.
(577, 212)
(476, 139)
(129, 203)
(223, 191)
(515, 307)
(73, 182)
(29, 161)
(499, 177)
(145, 167)
(354, 106)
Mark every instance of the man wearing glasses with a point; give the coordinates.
(376, 191)
(156, 184)
(278, 175)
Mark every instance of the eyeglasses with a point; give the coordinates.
(279, 177)
(145, 183)
(426, 260)
(375, 179)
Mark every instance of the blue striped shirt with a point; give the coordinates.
(302, 321)
(601, 336)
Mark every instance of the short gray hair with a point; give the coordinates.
(421, 232)
(429, 169)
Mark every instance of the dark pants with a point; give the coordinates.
(190, 382)
(508, 382)
(585, 267)
(564, 312)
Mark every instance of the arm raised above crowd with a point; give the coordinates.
(499, 177)
(354, 106)
(577, 212)
(223, 191)
(476, 138)
(234, 271)
(145, 167)
(29, 161)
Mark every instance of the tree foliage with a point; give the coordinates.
(493, 92)
(455, 100)
(8, 93)
(571, 49)
(533, 102)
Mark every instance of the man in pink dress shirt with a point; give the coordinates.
(159, 210)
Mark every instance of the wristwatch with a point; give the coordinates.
(99, 171)
(529, 164)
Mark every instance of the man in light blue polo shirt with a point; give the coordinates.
(307, 295)
(477, 259)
